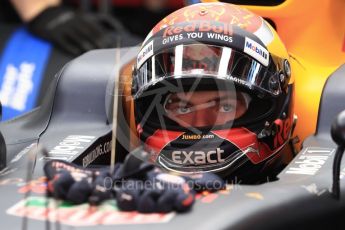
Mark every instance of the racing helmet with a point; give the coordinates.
(213, 92)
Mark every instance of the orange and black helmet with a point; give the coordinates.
(208, 49)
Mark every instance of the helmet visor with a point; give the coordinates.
(206, 108)
(207, 61)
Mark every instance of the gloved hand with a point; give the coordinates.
(75, 32)
(76, 184)
(159, 192)
(144, 188)
(73, 183)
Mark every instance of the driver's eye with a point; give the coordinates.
(226, 108)
(183, 109)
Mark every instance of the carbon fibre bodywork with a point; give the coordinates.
(73, 124)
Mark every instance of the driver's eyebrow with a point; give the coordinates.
(218, 99)
(186, 101)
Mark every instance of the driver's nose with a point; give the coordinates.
(203, 117)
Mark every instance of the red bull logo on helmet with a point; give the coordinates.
(256, 50)
(199, 26)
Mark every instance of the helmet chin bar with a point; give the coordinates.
(224, 169)
(239, 158)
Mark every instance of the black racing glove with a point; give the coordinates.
(159, 192)
(75, 32)
(78, 185)
(73, 183)
(164, 192)
(144, 188)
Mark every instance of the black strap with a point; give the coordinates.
(336, 171)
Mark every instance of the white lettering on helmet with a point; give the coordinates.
(256, 51)
(145, 53)
(198, 157)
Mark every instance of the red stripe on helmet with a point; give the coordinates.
(159, 139)
(246, 140)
